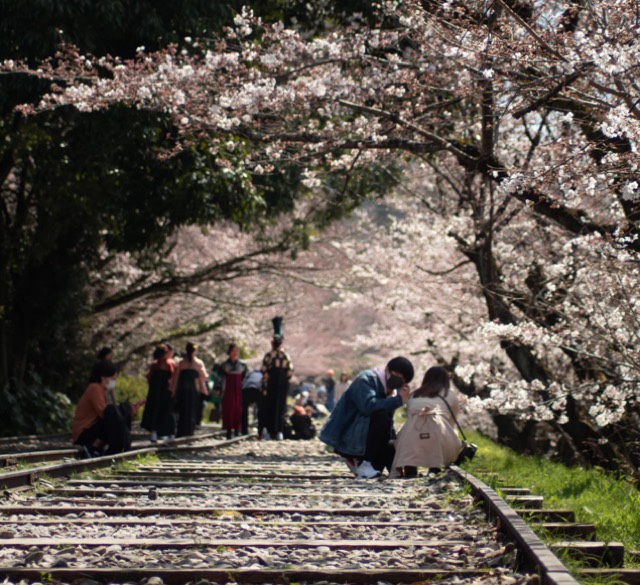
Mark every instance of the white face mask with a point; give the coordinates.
(111, 385)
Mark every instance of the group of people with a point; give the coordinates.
(361, 426)
(102, 427)
(186, 383)
(176, 387)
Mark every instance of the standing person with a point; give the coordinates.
(251, 395)
(188, 383)
(361, 424)
(97, 425)
(428, 438)
(330, 385)
(276, 370)
(158, 417)
(233, 372)
(342, 385)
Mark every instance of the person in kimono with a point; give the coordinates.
(233, 372)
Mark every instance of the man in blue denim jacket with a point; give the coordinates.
(361, 424)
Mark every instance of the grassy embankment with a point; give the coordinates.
(613, 505)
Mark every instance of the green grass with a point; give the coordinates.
(612, 504)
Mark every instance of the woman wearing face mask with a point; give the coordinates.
(97, 425)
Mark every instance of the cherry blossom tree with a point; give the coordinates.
(522, 119)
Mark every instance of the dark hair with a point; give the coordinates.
(191, 348)
(103, 353)
(159, 351)
(435, 380)
(102, 369)
(168, 346)
(402, 365)
(231, 347)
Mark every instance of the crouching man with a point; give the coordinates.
(361, 424)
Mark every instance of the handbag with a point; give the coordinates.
(468, 451)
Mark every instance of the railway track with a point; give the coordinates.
(23, 452)
(248, 511)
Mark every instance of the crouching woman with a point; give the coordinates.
(98, 426)
(428, 438)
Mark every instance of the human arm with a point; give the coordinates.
(202, 377)
(97, 399)
(173, 382)
(366, 393)
(289, 366)
(135, 406)
(266, 363)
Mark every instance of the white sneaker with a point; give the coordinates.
(154, 436)
(366, 471)
(279, 437)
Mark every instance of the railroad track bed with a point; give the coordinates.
(29, 451)
(255, 512)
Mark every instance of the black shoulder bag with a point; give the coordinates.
(468, 449)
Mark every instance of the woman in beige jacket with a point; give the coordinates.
(428, 438)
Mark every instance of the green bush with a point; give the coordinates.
(131, 389)
(30, 408)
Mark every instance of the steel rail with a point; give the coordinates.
(29, 476)
(535, 554)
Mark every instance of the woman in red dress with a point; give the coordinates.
(233, 372)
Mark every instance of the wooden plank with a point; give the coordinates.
(514, 491)
(600, 575)
(548, 515)
(97, 492)
(181, 576)
(235, 474)
(182, 543)
(209, 511)
(581, 530)
(309, 522)
(593, 554)
(528, 502)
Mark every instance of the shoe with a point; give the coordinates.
(366, 471)
(154, 437)
(90, 452)
(279, 437)
(351, 464)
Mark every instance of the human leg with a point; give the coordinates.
(250, 397)
(117, 420)
(93, 439)
(280, 412)
(378, 451)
